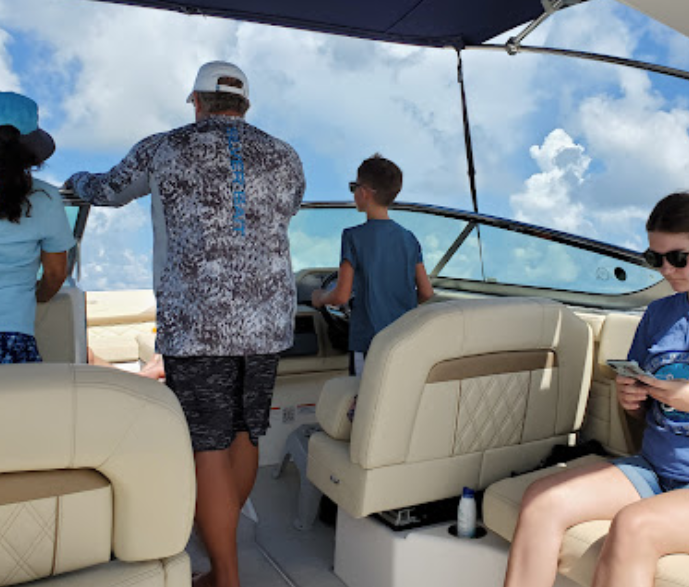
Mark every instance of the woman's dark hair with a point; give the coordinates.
(15, 175)
(671, 214)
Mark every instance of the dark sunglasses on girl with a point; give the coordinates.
(677, 259)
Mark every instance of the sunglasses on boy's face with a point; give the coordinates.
(353, 185)
(677, 259)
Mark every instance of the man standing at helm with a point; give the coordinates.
(223, 193)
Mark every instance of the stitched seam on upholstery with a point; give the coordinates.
(136, 579)
(142, 398)
(73, 448)
(21, 562)
(123, 437)
(527, 405)
(58, 525)
(134, 394)
(44, 527)
(7, 547)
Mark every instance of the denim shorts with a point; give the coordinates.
(17, 347)
(644, 478)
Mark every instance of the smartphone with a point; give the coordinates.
(629, 369)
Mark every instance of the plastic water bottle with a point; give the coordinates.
(466, 514)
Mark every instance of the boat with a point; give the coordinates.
(378, 533)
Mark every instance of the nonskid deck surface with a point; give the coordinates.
(272, 553)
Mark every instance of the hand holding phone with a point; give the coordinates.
(629, 369)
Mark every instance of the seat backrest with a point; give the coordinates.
(605, 420)
(61, 327)
(473, 377)
(92, 461)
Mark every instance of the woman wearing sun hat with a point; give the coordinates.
(34, 230)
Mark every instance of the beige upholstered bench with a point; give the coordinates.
(582, 543)
(93, 462)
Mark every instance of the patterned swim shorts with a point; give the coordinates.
(17, 347)
(222, 396)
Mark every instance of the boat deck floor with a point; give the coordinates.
(272, 552)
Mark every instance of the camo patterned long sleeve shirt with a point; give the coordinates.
(223, 193)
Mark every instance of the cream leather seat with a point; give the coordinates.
(454, 393)
(619, 434)
(93, 461)
(582, 543)
(61, 327)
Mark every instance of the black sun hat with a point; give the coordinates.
(22, 113)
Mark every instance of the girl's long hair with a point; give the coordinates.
(15, 175)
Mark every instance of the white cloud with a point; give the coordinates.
(609, 144)
(643, 141)
(310, 251)
(109, 258)
(548, 195)
(126, 73)
(9, 82)
(125, 269)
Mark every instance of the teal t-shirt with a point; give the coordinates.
(384, 256)
(46, 229)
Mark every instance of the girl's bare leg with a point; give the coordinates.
(640, 534)
(555, 503)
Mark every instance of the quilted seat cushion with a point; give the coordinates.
(52, 522)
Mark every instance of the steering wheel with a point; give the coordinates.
(336, 317)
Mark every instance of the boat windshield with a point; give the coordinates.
(462, 248)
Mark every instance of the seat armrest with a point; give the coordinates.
(128, 428)
(334, 403)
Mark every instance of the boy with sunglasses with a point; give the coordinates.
(381, 262)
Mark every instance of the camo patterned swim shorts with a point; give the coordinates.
(17, 347)
(222, 396)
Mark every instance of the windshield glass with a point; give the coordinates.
(72, 213)
(486, 254)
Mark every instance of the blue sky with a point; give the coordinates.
(578, 146)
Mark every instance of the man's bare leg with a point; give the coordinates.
(244, 462)
(224, 481)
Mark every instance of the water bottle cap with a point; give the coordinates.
(468, 492)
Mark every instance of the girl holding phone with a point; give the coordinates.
(645, 495)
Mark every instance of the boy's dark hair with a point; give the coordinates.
(383, 176)
(671, 214)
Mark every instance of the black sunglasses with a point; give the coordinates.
(353, 185)
(677, 259)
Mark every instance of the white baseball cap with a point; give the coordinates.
(209, 75)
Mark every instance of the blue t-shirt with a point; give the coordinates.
(384, 257)
(46, 229)
(661, 346)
